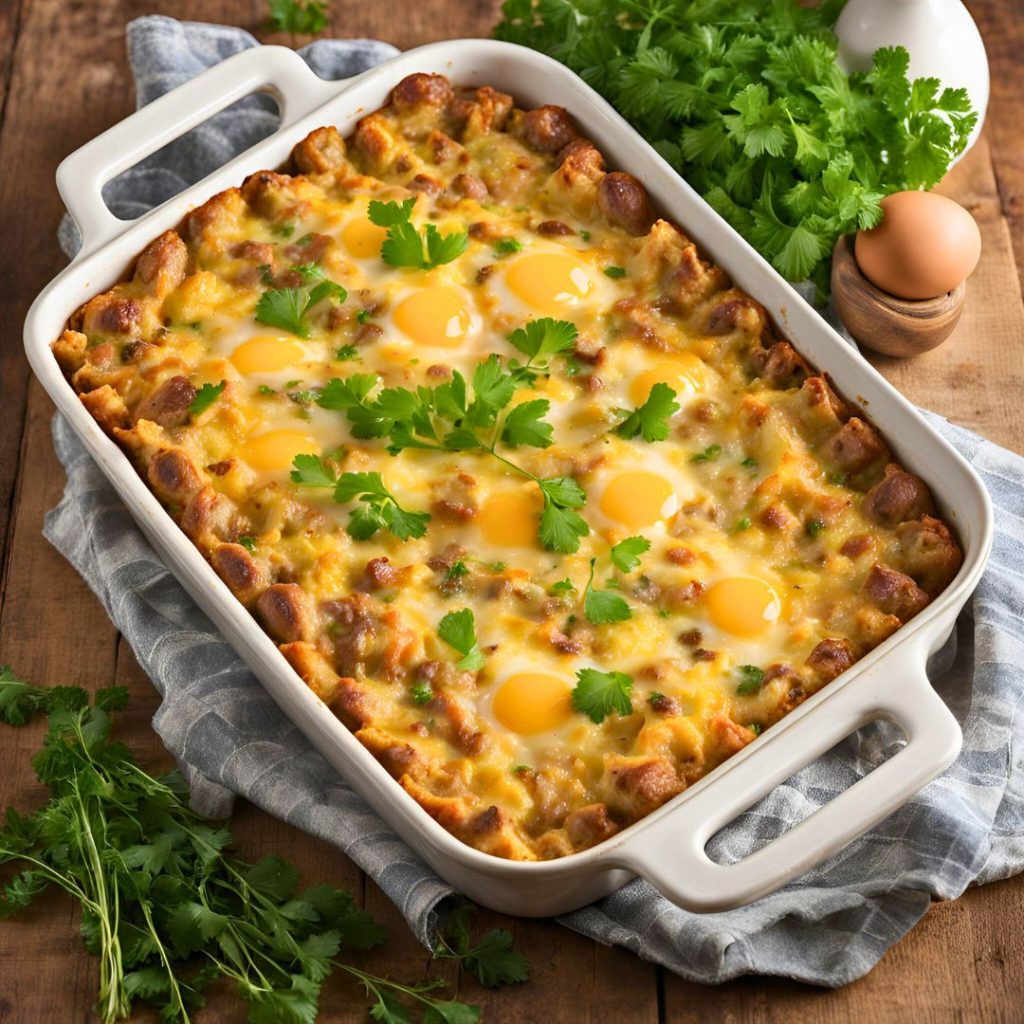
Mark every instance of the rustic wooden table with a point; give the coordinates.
(63, 79)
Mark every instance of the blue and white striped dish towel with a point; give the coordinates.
(829, 927)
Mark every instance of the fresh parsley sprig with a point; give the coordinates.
(748, 101)
(302, 16)
(539, 339)
(458, 631)
(379, 509)
(288, 308)
(165, 908)
(491, 959)
(650, 420)
(603, 606)
(464, 417)
(626, 554)
(405, 245)
(597, 694)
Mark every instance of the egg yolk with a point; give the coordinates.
(434, 316)
(532, 702)
(684, 375)
(638, 499)
(363, 239)
(510, 519)
(743, 605)
(550, 282)
(276, 449)
(266, 354)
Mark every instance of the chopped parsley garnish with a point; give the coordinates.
(614, 271)
(655, 697)
(364, 315)
(584, 234)
(563, 586)
(205, 397)
(405, 246)
(464, 417)
(379, 509)
(248, 541)
(626, 554)
(750, 678)
(756, 728)
(266, 273)
(741, 525)
(287, 308)
(650, 420)
(749, 462)
(814, 526)
(602, 607)
(284, 230)
(456, 571)
(345, 353)
(539, 339)
(837, 478)
(711, 452)
(458, 630)
(507, 246)
(266, 389)
(421, 693)
(597, 694)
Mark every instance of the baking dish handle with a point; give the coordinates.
(671, 852)
(274, 69)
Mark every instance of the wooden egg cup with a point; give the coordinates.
(884, 323)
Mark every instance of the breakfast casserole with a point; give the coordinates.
(526, 491)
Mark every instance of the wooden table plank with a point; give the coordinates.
(966, 957)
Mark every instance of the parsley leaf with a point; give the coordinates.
(506, 246)
(711, 452)
(597, 694)
(301, 16)
(751, 678)
(626, 554)
(602, 606)
(405, 246)
(345, 353)
(421, 693)
(615, 271)
(205, 397)
(458, 630)
(561, 527)
(539, 339)
(565, 586)
(380, 509)
(492, 960)
(287, 308)
(525, 425)
(650, 420)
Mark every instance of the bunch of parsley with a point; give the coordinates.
(746, 100)
(168, 911)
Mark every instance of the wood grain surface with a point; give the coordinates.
(64, 78)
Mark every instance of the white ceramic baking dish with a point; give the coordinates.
(667, 847)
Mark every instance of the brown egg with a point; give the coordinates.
(924, 247)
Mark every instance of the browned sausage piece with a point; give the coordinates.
(239, 570)
(737, 313)
(640, 784)
(931, 554)
(421, 90)
(855, 446)
(831, 657)
(549, 129)
(780, 365)
(894, 593)
(167, 404)
(589, 825)
(282, 607)
(898, 496)
(173, 476)
(623, 200)
(111, 314)
(470, 186)
(320, 151)
(161, 267)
